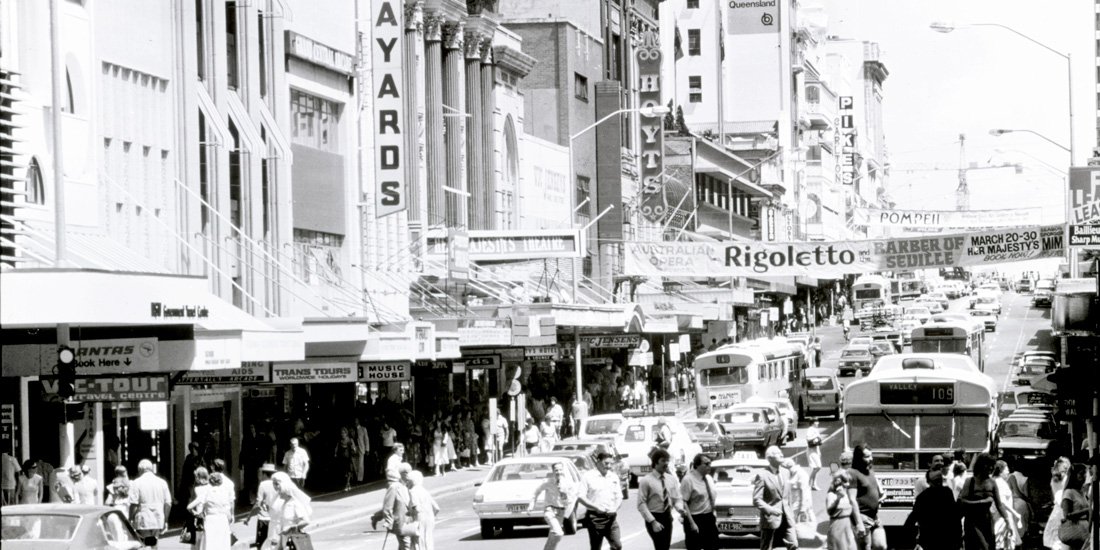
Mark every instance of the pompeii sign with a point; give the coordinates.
(831, 260)
(952, 219)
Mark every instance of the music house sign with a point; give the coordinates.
(652, 205)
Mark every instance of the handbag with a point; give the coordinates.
(296, 540)
(1073, 532)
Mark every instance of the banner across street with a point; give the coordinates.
(835, 259)
(951, 219)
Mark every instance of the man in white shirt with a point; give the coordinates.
(389, 436)
(362, 440)
(658, 495)
(555, 414)
(296, 463)
(266, 496)
(150, 501)
(560, 499)
(698, 491)
(603, 497)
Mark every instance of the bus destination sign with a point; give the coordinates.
(917, 393)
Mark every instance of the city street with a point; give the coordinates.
(341, 523)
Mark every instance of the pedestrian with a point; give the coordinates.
(1005, 537)
(290, 513)
(868, 496)
(770, 495)
(531, 436)
(296, 463)
(662, 436)
(346, 455)
(9, 466)
(88, 488)
(215, 506)
(118, 492)
(1021, 500)
(362, 448)
(936, 515)
(394, 460)
(389, 438)
(29, 485)
(658, 496)
(815, 347)
(439, 449)
(813, 452)
(602, 498)
(979, 492)
(839, 505)
(193, 528)
(150, 502)
(218, 466)
(799, 500)
(426, 509)
(546, 435)
(956, 477)
(555, 414)
(395, 514)
(449, 445)
(191, 462)
(923, 482)
(500, 435)
(1058, 477)
(561, 496)
(579, 412)
(265, 500)
(1074, 530)
(470, 432)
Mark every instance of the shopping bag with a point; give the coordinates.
(297, 541)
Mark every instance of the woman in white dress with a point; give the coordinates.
(1002, 531)
(291, 511)
(1058, 474)
(426, 509)
(215, 506)
(439, 449)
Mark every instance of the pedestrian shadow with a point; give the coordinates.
(517, 534)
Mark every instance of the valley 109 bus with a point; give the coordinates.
(962, 337)
(909, 414)
(731, 374)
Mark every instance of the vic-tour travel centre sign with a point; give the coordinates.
(131, 387)
(389, 111)
(833, 259)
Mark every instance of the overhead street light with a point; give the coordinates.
(1003, 131)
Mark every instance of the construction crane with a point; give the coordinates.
(962, 192)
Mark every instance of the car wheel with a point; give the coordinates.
(570, 524)
(486, 529)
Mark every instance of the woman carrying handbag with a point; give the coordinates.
(1074, 529)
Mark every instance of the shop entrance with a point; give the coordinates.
(125, 443)
(210, 428)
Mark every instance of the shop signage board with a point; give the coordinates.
(484, 336)
(948, 219)
(541, 352)
(132, 387)
(250, 372)
(154, 415)
(834, 259)
(847, 168)
(216, 353)
(388, 83)
(109, 356)
(1084, 189)
(640, 358)
(313, 373)
(612, 341)
(482, 362)
(652, 204)
(7, 426)
(458, 254)
(319, 54)
(521, 244)
(752, 16)
(387, 371)
(1084, 236)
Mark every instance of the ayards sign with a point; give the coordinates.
(389, 110)
(829, 260)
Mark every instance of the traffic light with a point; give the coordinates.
(66, 372)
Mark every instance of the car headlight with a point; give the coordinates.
(479, 498)
(759, 432)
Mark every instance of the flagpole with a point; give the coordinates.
(721, 76)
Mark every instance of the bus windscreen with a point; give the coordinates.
(723, 376)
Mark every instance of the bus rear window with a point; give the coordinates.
(816, 383)
(723, 376)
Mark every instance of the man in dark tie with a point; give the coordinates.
(697, 490)
(658, 495)
(770, 491)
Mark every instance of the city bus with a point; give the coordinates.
(871, 291)
(923, 405)
(910, 287)
(731, 374)
(966, 337)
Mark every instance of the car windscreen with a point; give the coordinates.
(701, 426)
(1010, 428)
(602, 426)
(38, 527)
(736, 475)
(520, 471)
(854, 353)
(820, 383)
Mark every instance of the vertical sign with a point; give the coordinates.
(389, 111)
(846, 168)
(653, 206)
(1084, 189)
(458, 254)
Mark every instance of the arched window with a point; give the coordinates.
(506, 193)
(36, 190)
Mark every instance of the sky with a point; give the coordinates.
(975, 79)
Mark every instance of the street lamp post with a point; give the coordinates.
(945, 27)
(656, 110)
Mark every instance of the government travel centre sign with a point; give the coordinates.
(834, 259)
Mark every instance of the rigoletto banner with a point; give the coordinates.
(826, 260)
(949, 219)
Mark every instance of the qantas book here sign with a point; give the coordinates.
(389, 112)
(830, 260)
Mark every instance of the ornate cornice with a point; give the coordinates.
(414, 15)
(487, 52)
(453, 34)
(513, 60)
(433, 26)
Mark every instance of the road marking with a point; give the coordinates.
(1016, 349)
(830, 436)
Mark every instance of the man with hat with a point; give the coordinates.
(266, 495)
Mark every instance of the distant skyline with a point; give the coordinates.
(975, 79)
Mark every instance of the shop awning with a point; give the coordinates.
(713, 160)
(774, 285)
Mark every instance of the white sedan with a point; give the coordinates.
(503, 500)
(733, 508)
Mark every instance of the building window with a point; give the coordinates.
(692, 4)
(206, 168)
(580, 87)
(693, 41)
(582, 194)
(200, 38)
(36, 190)
(316, 121)
(315, 256)
(232, 65)
(263, 51)
(813, 94)
(236, 179)
(695, 89)
(615, 64)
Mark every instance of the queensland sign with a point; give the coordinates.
(828, 260)
(389, 108)
(948, 219)
(752, 16)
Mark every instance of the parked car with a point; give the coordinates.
(594, 447)
(711, 436)
(855, 357)
(821, 392)
(1014, 397)
(920, 313)
(753, 426)
(733, 507)
(637, 436)
(1037, 353)
(67, 527)
(601, 426)
(1026, 438)
(987, 302)
(985, 314)
(1025, 374)
(1042, 297)
(503, 500)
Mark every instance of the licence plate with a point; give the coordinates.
(517, 507)
(730, 526)
(817, 398)
(645, 469)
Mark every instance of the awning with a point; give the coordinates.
(774, 285)
(713, 159)
(85, 250)
(84, 297)
(806, 281)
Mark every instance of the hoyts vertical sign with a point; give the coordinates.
(653, 205)
(389, 112)
(846, 168)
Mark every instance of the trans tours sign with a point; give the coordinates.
(830, 260)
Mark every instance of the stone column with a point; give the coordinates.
(488, 134)
(454, 123)
(433, 119)
(474, 142)
(410, 59)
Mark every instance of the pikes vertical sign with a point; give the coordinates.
(653, 205)
(847, 168)
(389, 112)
